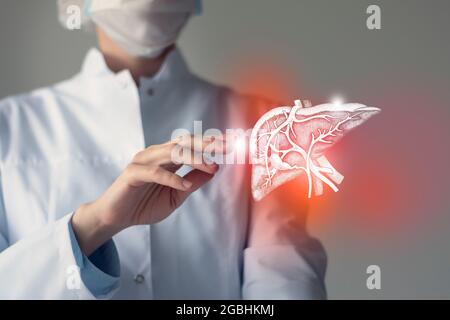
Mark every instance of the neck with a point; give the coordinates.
(118, 59)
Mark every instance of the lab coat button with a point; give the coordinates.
(139, 279)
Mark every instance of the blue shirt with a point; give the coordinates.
(100, 272)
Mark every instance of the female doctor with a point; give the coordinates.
(91, 205)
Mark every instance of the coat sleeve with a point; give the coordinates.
(49, 264)
(281, 260)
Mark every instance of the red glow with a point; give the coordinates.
(266, 77)
(393, 166)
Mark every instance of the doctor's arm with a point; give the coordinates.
(282, 261)
(48, 264)
(53, 262)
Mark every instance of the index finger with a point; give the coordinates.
(204, 144)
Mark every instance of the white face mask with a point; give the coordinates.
(143, 28)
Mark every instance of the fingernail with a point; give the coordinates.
(187, 184)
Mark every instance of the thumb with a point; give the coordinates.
(198, 179)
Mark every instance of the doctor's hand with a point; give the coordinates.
(147, 191)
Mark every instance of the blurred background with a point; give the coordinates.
(393, 209)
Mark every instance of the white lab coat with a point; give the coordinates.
(63, 145)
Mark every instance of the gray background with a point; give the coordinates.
(394, 204)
